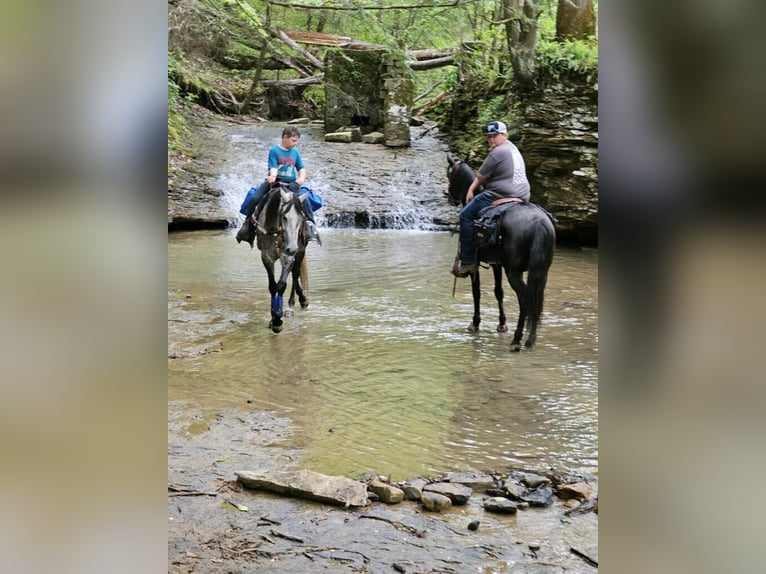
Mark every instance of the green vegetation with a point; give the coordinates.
(177, 127)
(215, 54)
(571, 56)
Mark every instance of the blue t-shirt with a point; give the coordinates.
(287, 163)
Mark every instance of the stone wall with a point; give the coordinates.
(371, 89)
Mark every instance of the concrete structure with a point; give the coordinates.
(371, 88)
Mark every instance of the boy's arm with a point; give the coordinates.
(272, 175)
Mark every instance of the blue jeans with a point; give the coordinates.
(467, 234)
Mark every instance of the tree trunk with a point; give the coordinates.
(575, 20)
(521, 30)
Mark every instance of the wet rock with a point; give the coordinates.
(457, 493)
(373, 138)
(500, 505)
(473, 525)
(542, 496)
(513, 489)
(413, 489)
(339, 137)
(356, 133)
(436, 502)
(386, 492)
(578, 490)
(535, 480)
(336, 490)
(474, 480)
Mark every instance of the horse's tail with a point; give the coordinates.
(540, 258)
(304, 274)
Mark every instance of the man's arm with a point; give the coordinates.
(479, 180)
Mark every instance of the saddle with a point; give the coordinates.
(486, 225)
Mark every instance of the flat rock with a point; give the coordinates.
(500, 505)
(386, 492)
(336, 490)
(341, 137)
(457, 493)
(474, 480)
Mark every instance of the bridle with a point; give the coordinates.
(278, 235)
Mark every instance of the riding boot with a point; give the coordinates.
(311, 232)
(462, 270)
(247, 231)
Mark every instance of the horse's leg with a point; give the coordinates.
(497, 270)
(298, 271)
(476, 290)
(296, 286)
(277, 307)
(519, 287)
(291, 301)
(277, 300)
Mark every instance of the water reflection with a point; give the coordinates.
(379, 374)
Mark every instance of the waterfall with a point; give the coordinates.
(363, 185)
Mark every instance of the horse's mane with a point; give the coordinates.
(271, 209)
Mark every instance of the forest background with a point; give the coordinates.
(229, 55)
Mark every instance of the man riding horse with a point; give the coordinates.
(503, 176)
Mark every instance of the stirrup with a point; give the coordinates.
(311, 232)
(462, 270)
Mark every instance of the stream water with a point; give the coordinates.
(379, 373)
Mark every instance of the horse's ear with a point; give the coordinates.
(450, 159)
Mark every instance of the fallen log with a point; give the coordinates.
(431, 64)
(295, 82)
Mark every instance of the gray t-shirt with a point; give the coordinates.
(505, 172)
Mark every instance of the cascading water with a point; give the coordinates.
(365, 186)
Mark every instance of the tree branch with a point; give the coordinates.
(453, 4)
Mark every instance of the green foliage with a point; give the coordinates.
(176, 123)
(571, 56)
(315, 95)
(494, 109)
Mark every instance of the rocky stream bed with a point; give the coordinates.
(489, 520)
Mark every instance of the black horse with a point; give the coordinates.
(280, 237)
(527, 242)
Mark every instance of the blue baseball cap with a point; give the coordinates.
(495, 128)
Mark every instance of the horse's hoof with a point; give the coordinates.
(304, 304)
(473, 328)
(515, 348)
(502, 328)
(529, 344)
(289, 312)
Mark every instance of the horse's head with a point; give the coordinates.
(282, 218)
(291, 222)
(460, 177)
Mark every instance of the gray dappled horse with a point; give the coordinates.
(527, 242)
(280, 237)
